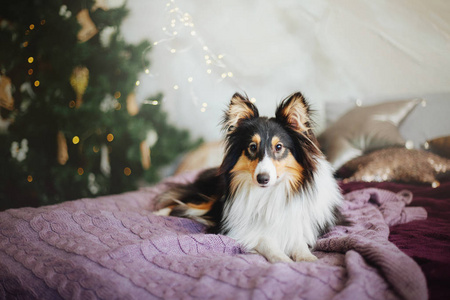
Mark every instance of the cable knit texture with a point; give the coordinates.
(114, 247)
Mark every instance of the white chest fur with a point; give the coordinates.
(289, 221)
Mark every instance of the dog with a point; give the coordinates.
(274, 192)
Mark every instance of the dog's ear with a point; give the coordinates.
(294, 113)
(240, 109)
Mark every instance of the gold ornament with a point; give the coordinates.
(62, 154)
(105, 166)
(132, 106)
(79, 82)
(6, 98)
(88, 28)
(145, 155)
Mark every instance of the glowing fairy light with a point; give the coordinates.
(180, 25)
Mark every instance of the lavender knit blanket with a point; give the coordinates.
(114, 248)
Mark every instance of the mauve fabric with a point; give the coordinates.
(114, 247)
(427, 242)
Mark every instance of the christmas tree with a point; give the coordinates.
(70, 126)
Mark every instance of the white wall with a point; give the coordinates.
(331, 50)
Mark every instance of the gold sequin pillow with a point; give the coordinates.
(440, 146)
(397, 164)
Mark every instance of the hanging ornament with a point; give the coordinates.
(150, 141)
(145, 155)
(19, 151)
(106, 34)
(132, 106)
(151, 138)
(88, 28)
(6, 99)
(62, 153)
(79, 82)
(105, 166)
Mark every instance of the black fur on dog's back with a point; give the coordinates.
(205, 194)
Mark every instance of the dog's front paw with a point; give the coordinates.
(304, 257)
(278, 258)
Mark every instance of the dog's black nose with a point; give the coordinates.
(263, 178)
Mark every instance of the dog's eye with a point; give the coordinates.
(278, 147)
(252, 147)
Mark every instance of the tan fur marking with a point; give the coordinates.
(245, 164)
(257, 139)
(238, 110)
(203, 206)
(297, 114)
(275, 141)
(292, 169)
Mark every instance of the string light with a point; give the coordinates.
(30, 59)
(152, 102)
(37, 83)
(30, 178)
(138, 83)
(110, 137)
(117, 95)
(75, 140)
(180, 25)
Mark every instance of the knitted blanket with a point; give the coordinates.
(115, 247)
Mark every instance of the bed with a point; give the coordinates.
(114, 247)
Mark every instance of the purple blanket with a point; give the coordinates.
(114, 247)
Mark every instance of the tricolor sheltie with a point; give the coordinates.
(274, 192)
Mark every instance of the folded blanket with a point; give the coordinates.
(115, 247)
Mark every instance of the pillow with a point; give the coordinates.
(439, 146)
(397, 164)
(363, 129)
